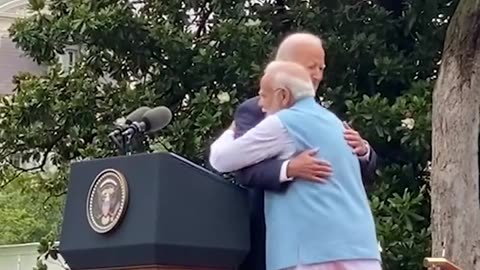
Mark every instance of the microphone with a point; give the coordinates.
(134, 116)
(152, 121)
(137, 115)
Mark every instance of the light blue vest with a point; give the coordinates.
(317, 223)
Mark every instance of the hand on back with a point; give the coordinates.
(307, 166)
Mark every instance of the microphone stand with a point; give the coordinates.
(130, 143)
(119, 143)
(137, 143)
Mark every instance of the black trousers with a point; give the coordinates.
(255, 259)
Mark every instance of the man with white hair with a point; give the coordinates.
(310, 226)
(277, 174)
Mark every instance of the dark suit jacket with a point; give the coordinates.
(266, 176)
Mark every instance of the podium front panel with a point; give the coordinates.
(177, 214)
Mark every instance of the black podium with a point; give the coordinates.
(152, 211)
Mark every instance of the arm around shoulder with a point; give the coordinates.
(264, 175)
(259, 143)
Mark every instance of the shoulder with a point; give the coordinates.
(250, 106)
(285, 113)
(247, 115)
(271, 124)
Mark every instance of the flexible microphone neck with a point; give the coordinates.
(135, 127)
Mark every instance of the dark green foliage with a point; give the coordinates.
(382, 59)
(26, 215)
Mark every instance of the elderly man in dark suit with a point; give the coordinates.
(274, 174)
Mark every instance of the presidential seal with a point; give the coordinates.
(107, 200)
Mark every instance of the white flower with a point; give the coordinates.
(132, 85)
(223, 97)
(50, 170)
(429, 166)
(120, 121)
(251, 22)
(408, 123)
(185, 100)
(326, 103)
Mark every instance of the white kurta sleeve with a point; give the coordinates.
(264, 141)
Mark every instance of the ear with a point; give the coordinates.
(287, 98)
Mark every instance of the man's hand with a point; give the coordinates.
(353, 138)
(306, 166)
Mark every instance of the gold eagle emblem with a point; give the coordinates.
(107, 200)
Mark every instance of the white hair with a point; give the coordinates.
(299, 87)
(286, 49)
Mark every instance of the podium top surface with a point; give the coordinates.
(161, 156)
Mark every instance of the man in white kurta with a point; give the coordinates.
(282, 85)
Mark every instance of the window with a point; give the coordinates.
(69, 58)
(69, 61)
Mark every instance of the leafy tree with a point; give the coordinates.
(27, 216)
(455, 177)
(201, 58)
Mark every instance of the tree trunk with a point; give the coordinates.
(455, 120)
